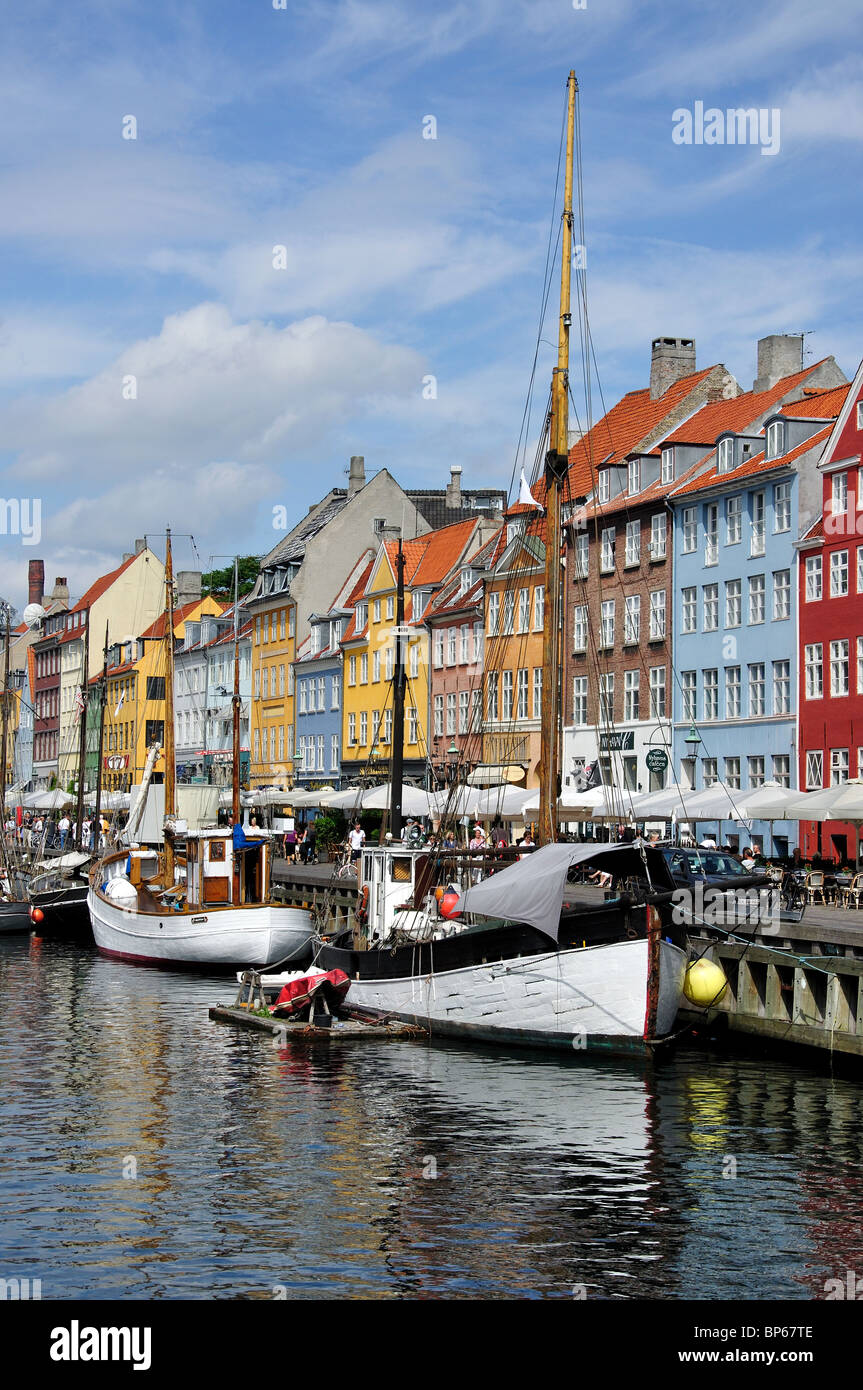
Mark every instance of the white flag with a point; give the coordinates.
(120, 705)
(525, 496)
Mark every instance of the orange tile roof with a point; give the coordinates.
(717, 417)
(820, 405)
(754, 465)
(157, 629)
(97, 589)
(429, 558)
(353, 599)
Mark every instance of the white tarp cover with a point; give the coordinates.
(531, 890)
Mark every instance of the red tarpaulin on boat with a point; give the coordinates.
(298, 994)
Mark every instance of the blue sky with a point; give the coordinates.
(256, 127)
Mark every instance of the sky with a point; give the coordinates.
(162, 364)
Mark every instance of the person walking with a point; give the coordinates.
(356, 840)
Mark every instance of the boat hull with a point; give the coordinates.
(591, 999)
(64, 912)
(14, 918)
(228, 938)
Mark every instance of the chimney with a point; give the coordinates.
(139, 546)
(670, 359)
(188, 586)
(453, 488)
(35, 581)
(779, 355)
(390, 533)
(60, 594)
(126, 557)
(356, 474)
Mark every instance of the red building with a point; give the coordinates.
(830, 576)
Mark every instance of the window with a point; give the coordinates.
(492, 682)
(376, 610)
(711, 607)
(839, 667)
(774, 440)
(710, 680)
(690, 530)
(438, 641)
(709, 772)
(689, 688)
(607, 623)
(732, 692)
(813, 578)
(155, 687)
(258, 631)
(414, 660)
(732, 773)
(579, 700)
(813, 667)
(352, 670)
(633, 542)
(302, 700)
(376, 666)
(860, 415)
(838, 766)
(450, 712)
(539, 608)
(364, 668)
(632, 619)
(438, 716)
(814, 771)
(860, 569)
(412, 724)
(522, 694)
(782, 687)
(860, 674)
(320, 748)
(782, 769)
(493, 615)
(452, 639)
(782, 507)
(658, 533)
(523, 610)
(604, 485)
(733, 602)
(391, 607)
(657, 615)
(725, 455)
(334, 752)
(606, 552)
(476, 709)
(582, 554)
(154, 732)
(463, 711)
(668, 464)
(757, 690)
(506, 697)
(630, 695)
(606, 698)
(362, 616)
(657, 692)
(839, 574)
(336, 692)
(376, 728)
(689, 610)
(508, 613)
(711, 534)
(257, 695)
(733, 520)
(781, 594)
(756, 598)
(757, 538)
(756, 771)
(364, 729)
(537, 692)
(579, 629)
(634, 476)
(839, 491)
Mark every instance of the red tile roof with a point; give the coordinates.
(429, 558)
(752, 466)
(181, 613)
(735, 415)
(818, 405)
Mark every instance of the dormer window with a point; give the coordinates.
(775, 440)
(839, 494)
(668, 464)
(725, 455)
(605, 486)
(860, 415)
(634, 478)
(337, 632)
(465, 580)
(362, 616)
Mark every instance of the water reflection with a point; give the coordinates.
(397, 1169)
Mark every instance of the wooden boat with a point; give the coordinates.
(204, 899)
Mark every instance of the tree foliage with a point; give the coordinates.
(220, 583)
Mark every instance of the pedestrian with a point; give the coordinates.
(309, 844)
(478, 838)
(291, 845)
(356, 840)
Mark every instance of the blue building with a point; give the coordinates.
(317, 674)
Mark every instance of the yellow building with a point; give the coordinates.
(272, 714)
(135, 709)
(369, 651)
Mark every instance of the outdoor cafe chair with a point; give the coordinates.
(815, 885)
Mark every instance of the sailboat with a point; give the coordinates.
(14, 907)
(204, 899)
(524, 957)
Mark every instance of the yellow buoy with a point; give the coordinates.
(705, 983)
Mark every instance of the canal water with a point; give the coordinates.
(146, 1152)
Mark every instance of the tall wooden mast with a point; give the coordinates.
(170, 759)
(556, 465)
(5, 733)
(103, 700)
(82, 741)
(235, 704)
(398, 701)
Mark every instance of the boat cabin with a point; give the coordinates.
(221, 871)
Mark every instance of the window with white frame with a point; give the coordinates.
(689, 609)
(451, 643)
(813, 578)
(389, 661)
(757, 536)
(860, 569)
(414, 660)
(522, 689)
(733, 602)
(782, 687)
(606, 550)
(711, 534)
(756, 598)
(464, 644)
(352, 730)
(782, 507)
(376, 727)
(508, 613)
(732, 773)
(579, 700)
(633, 542)
(506, 697)
(413, 724)
(733, 519)
(781, 595)
(451, 708)
(756, 770)
(709, 771)
(839, 769)
(711, 607)
(303, 687)
(391, 607)
(606, 698)
(537, 692)
(839, 574)
(860, 415)
(689, 530)
(438, 716)
(632, 619)
(322, 691)
(668, 464)
(476, 709)
(364, 668)
(814, 770)
(604, 485)
(839, 667)
(725, 454)
(539, 608)
(634, 476)
(582, 554)
(463, 711)
(781, 771)
(376, 610)
(710, 693)
(774, 439)
(860, 673)
(658, 535)
(523, 610)
(813, 666)
(732, 692)
(757, 689)
(320, 749)
(438, 643)
(334, 752)
(657, 615)
(492, 687)
(493, 613)
(839, 494)
(352, 670)
(689, 692)
(579, 629)
(657, 692)
(376, 665)
(607, 623)
(631, 682)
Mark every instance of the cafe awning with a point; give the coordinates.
(493, 774)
